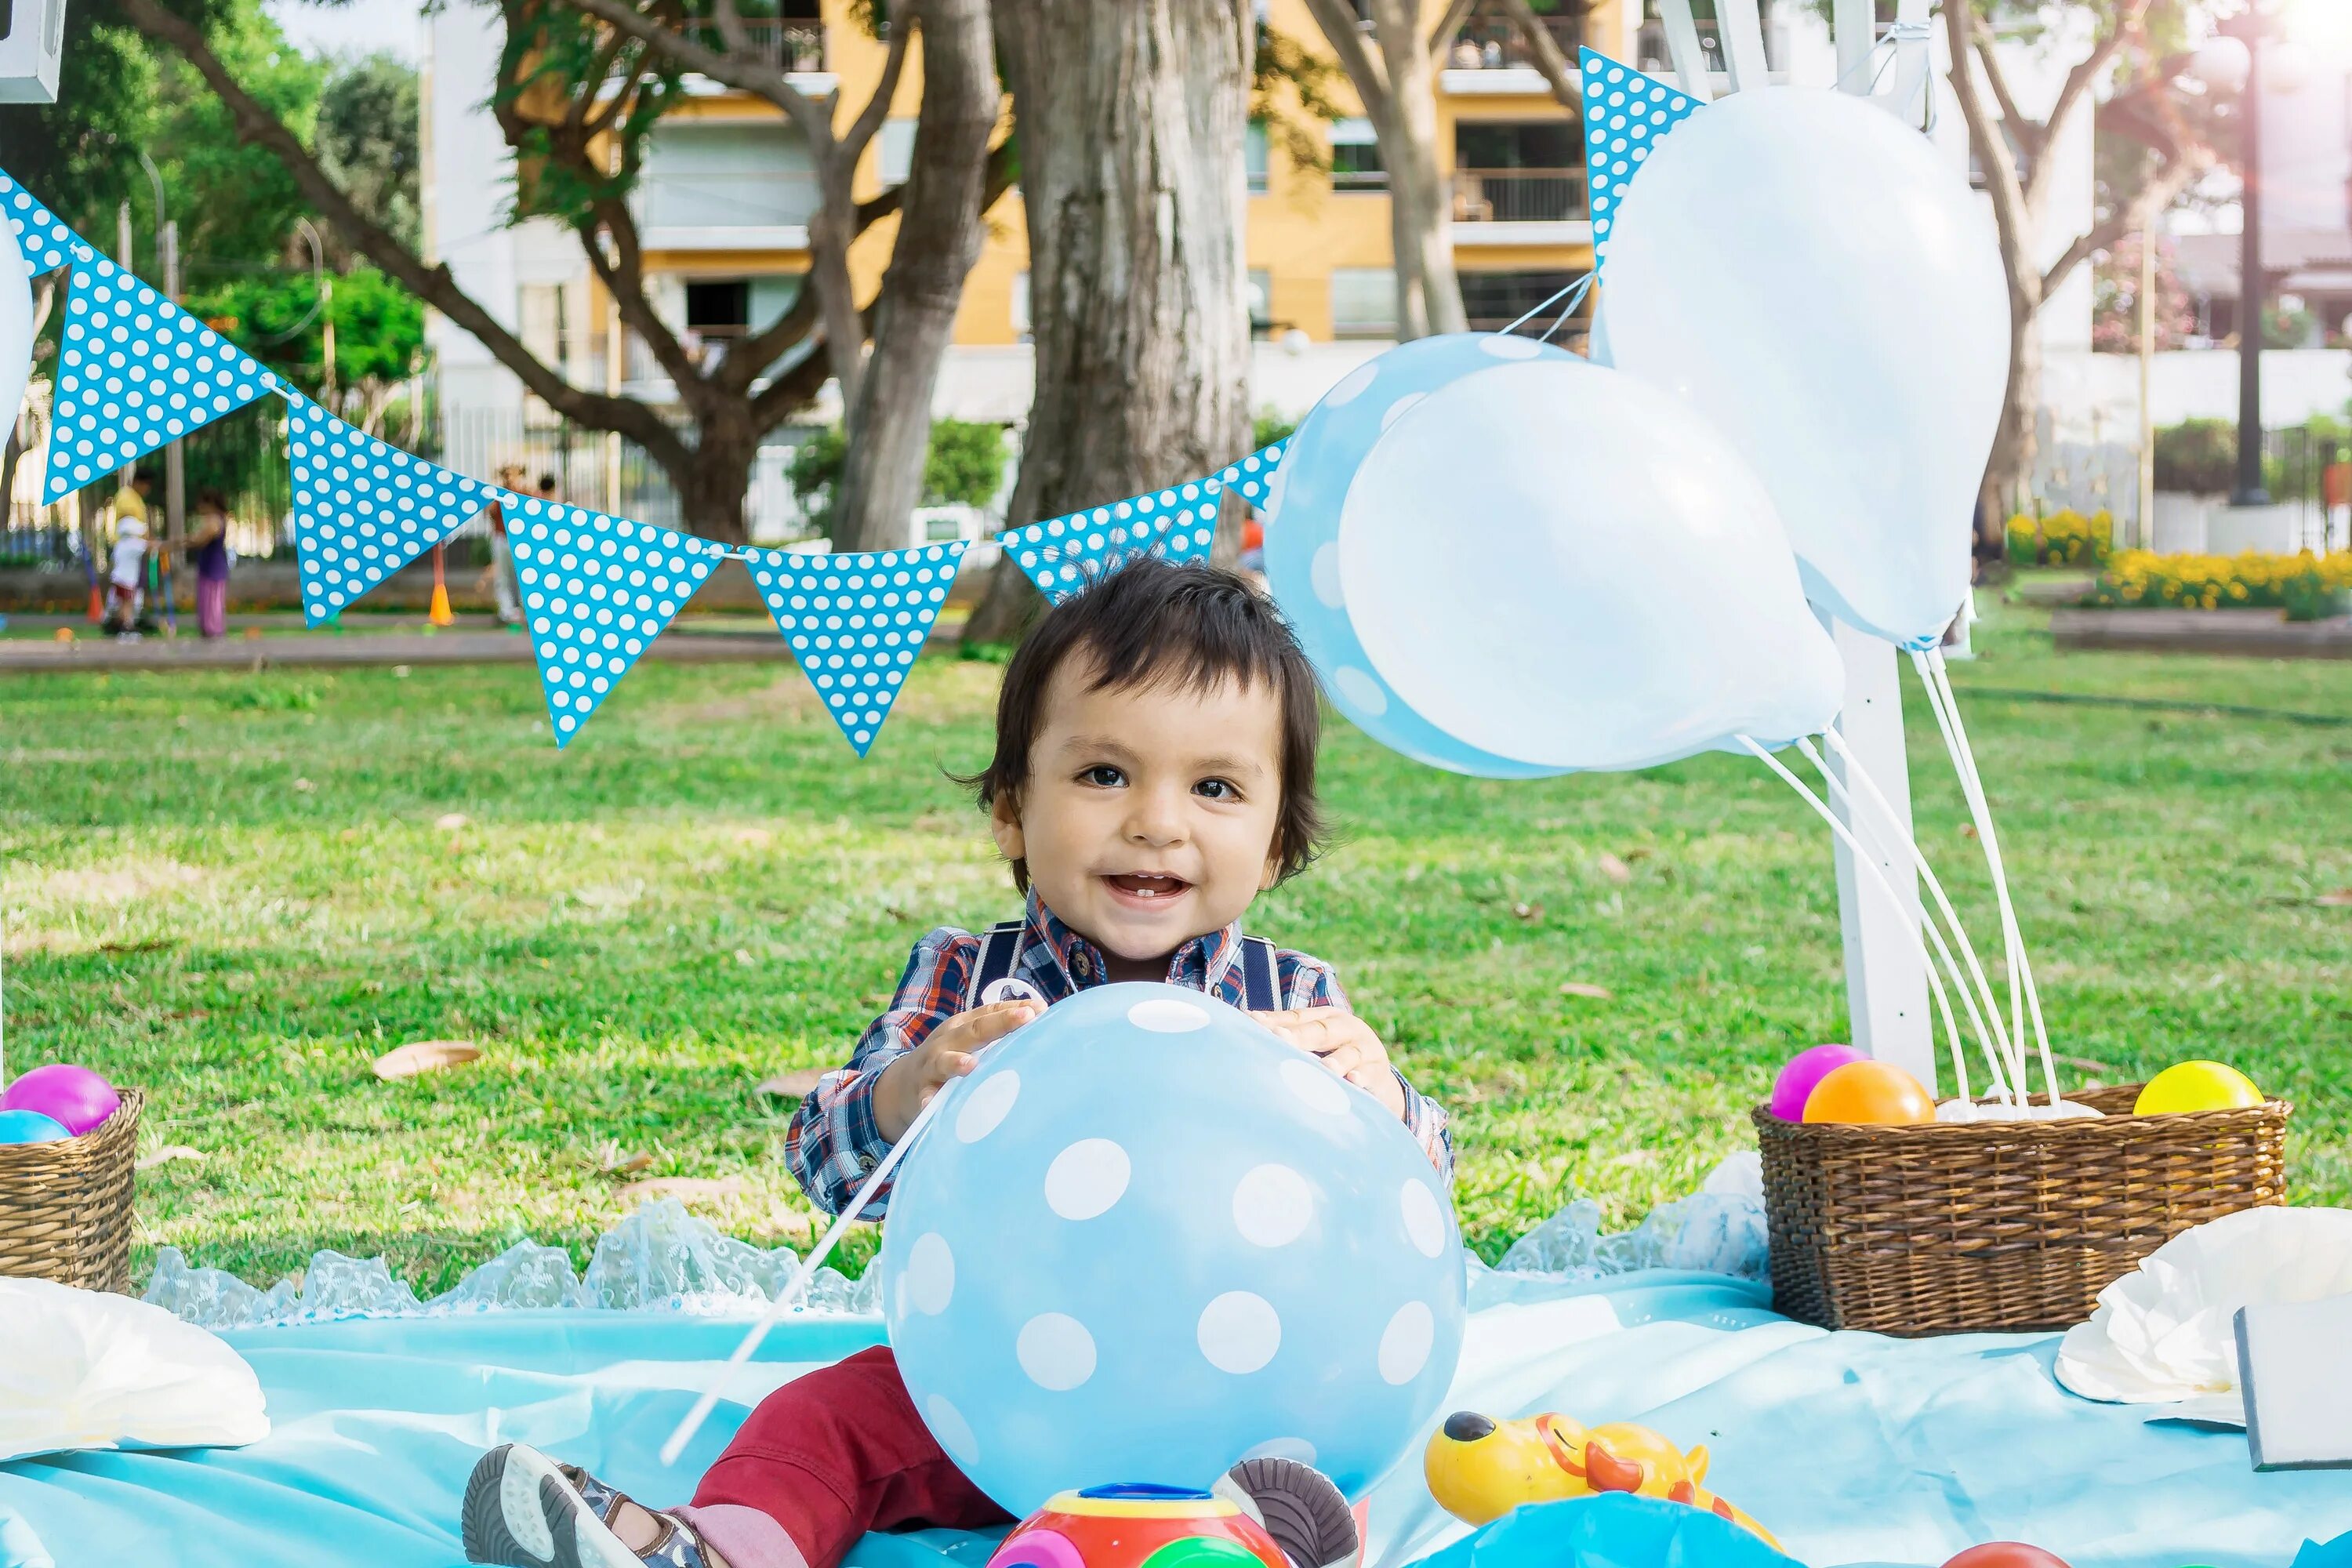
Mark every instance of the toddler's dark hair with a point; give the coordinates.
(1192, 627)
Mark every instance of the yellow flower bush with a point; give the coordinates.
(2063, 538)
(2249, 581)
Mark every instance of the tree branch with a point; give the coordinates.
(623, 277)
(1000, 174)
(869, 119)
(256, 126)
(1365, 72)
(2134, 217)
(2028, 132)
(2009, 210)
(1549, 58)
(1448, 24)
(733, 68)
(2085, 74)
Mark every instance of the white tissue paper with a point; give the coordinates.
(2164, 1334)
(88, 1370)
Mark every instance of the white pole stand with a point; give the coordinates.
(1885, 977)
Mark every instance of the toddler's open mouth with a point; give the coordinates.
(1147, 887)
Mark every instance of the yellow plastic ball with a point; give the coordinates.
(2197, 1086)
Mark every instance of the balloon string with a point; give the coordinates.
(1920, 933)
(1947, 701)
(1918, 856)
(797, 1286)
(1574, 293)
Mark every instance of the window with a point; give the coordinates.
(719, 308)
(1519, 172)
(938, 530)
(895, 152)
(1363, 301)
(1259, 293)
(1356, 157)
(1519, 145)
(1493, 301)
(1254, 155)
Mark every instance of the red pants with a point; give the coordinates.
(831, 1456)
(212, 606)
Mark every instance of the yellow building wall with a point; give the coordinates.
(1299, 229)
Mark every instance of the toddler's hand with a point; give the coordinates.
(908, 1084)
(1345, 1043)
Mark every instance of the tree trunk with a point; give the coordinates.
(713, 486)
(1131, 117)
(939, 229)
(1421, 204)
(2008, 470)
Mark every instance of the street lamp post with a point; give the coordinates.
(2248, 28)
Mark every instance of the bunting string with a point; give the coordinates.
(1626, 115)
(135, 370)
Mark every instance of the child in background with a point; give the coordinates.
(1154, 772)
(126, 577)
(209, 553)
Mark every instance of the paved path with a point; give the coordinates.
(327, 649)
(2251, 634)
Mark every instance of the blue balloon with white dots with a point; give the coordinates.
(1302, 535)
(1145, 1239)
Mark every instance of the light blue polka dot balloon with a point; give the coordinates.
(1302, 554)
(597, 591)
(856, 622)
(1626, 114)
(1063, 555)
(1147, 1239)
(47, 243)
(135, 370)
(364, 509)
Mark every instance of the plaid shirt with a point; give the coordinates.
(833, 1144)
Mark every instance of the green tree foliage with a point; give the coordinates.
(368, 140)
(1268, 428)
(379, 326)
(964, 467)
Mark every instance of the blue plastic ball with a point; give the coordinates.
(31, 1127)
(1302, 556)
(1148, 1240)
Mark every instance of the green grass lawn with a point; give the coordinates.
(236, 890)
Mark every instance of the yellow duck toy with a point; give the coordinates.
(1480, 1468)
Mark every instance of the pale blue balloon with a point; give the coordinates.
(1147, 1239)
(1302, 534)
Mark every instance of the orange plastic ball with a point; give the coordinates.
(1872, 1093)
(2006, 1555)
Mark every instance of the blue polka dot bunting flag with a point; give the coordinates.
(856, 622)
(364, 509)
(1065, 553)
(134, 371)
(47, 243)
(1626, 114)
(597, 591)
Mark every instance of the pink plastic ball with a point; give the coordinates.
(1806, 1069)
(74, 1097)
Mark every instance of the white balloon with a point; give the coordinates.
(16, 328)
(1561, 565)
(1809, 273)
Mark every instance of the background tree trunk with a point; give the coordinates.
(1420, 199)
(939, 229)
(1131, 115)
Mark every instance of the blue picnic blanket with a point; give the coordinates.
(1853, 1448)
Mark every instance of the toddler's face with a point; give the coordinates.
(1150, 814)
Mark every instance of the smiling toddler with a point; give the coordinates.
(1154, 772)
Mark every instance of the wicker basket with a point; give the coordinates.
(65, 1209)
(2002, 1225)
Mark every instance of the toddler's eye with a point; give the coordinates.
(1102, 775)
(1216, 789)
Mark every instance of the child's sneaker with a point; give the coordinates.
(524, 1510)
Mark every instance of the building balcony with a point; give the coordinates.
(1654, 57)
(725, 209)
(1521, 207)
(1490, 56)
(796, 46)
